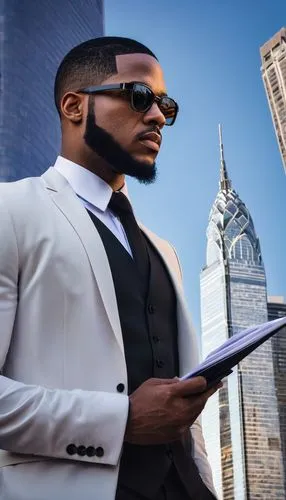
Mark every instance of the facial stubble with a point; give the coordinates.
(106, 146)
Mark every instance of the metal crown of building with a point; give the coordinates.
(230, 221)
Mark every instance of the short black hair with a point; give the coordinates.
(91, 62)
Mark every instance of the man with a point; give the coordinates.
(94, 327)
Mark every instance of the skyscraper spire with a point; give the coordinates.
(225, 184)
(234, 297)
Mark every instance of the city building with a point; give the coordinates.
(240, 422)
(34, 37)
(273, 56)
(277, 309)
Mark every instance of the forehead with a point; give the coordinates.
(141, 68)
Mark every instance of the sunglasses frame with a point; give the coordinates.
(129, 86)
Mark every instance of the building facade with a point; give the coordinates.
(273, 69)
(277, 309)
(34, 37)
(241, 423)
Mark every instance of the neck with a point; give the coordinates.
(97, 166)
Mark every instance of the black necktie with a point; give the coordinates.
(120, 205)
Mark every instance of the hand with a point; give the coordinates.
(161, 410)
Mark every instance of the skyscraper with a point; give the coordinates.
(277, 309)
(273, 56)
(34, 37)
(240, 422)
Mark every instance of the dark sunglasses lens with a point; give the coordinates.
(169, 109)
(142, 98)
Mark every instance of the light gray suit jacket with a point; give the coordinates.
(61, 348)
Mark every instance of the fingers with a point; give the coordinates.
(212, 390)
(202, 398)
(191, 386)
(195, 404)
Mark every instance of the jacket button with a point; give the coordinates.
(71, 449)
(99, 451)
(151, 309)
(155, 339)
(90, 451)
(81, 451)
(120, 387)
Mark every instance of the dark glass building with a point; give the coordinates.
(34, 37)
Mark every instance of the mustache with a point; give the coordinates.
(155, 129)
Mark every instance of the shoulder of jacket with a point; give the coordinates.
(20, 197)
(20, 187)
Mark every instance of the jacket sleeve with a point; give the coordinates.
(200, 456)
(40, 421)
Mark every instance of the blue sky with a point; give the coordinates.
(210, 55)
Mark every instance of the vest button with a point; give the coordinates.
(99, 451)
(120, 387)
(159, 363)
(151, 309)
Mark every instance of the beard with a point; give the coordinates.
(121, 162)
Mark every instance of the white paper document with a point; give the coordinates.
(219, 363)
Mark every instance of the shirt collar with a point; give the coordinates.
(87, 185)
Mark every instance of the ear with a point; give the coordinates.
(72, 107)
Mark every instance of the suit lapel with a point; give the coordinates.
(187, 342)
(67, 202)
(154, 241)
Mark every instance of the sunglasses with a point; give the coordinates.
(141, 98)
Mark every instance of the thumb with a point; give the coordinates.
(162, 381)
(191, 386)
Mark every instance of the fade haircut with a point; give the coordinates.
(91, 62)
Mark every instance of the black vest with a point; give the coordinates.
(147, 311)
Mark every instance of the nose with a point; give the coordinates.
(155, 115)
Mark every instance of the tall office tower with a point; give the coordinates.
(277, 309)
(273, 56)
(240, 422)
(34, 37)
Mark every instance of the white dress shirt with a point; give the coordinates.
(95, 194)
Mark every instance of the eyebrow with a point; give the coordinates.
(159, 94)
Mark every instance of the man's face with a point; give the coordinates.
(115, 131)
